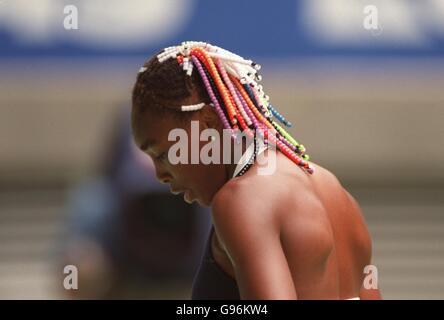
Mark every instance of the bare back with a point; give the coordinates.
(319, 271)
(341, 273)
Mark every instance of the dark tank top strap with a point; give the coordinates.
(211, 282)
(207, 254)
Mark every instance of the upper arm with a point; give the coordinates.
(369, 294)
(253, 244)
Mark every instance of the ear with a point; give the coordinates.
(209, 118)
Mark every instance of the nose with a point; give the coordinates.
(162, 175)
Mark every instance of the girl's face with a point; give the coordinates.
(199, 182)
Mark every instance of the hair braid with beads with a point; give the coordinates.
(221, 78)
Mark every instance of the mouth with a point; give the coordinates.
(187, 197)
(187, 194)
(174, 191)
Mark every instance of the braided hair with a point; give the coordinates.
(220, 78)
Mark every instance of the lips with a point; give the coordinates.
(187, 194)
(176, 191)
(187, 197)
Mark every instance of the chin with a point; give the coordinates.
(202, 199)
(199, 201)
(202, 202)
(193, 198)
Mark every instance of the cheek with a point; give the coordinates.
(211, 178)
(194, 177)
(204, 180)
(186, 175)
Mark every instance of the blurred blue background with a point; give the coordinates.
(367, 104)
(285, 29)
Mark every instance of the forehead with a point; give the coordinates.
(150, 130)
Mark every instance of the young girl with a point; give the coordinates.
(292, 232)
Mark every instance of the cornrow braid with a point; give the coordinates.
(224, 80)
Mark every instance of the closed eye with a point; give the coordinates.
(161, 157)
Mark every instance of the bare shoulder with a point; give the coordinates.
(255, 198)
(241, 201)
(269, 207)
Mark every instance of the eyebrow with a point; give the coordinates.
(148, 143)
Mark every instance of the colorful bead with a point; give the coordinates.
(239, 101)
(232, 91)
(279, 116)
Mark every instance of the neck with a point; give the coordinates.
(231, 167)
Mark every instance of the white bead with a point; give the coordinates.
(193, 107)
(166, 52)
(164, 58)
(190, 69)
(186, 51)
(167, 55)
(229, 58)
(185, 63)
(231, 71)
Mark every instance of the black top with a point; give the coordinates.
(211, 281)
